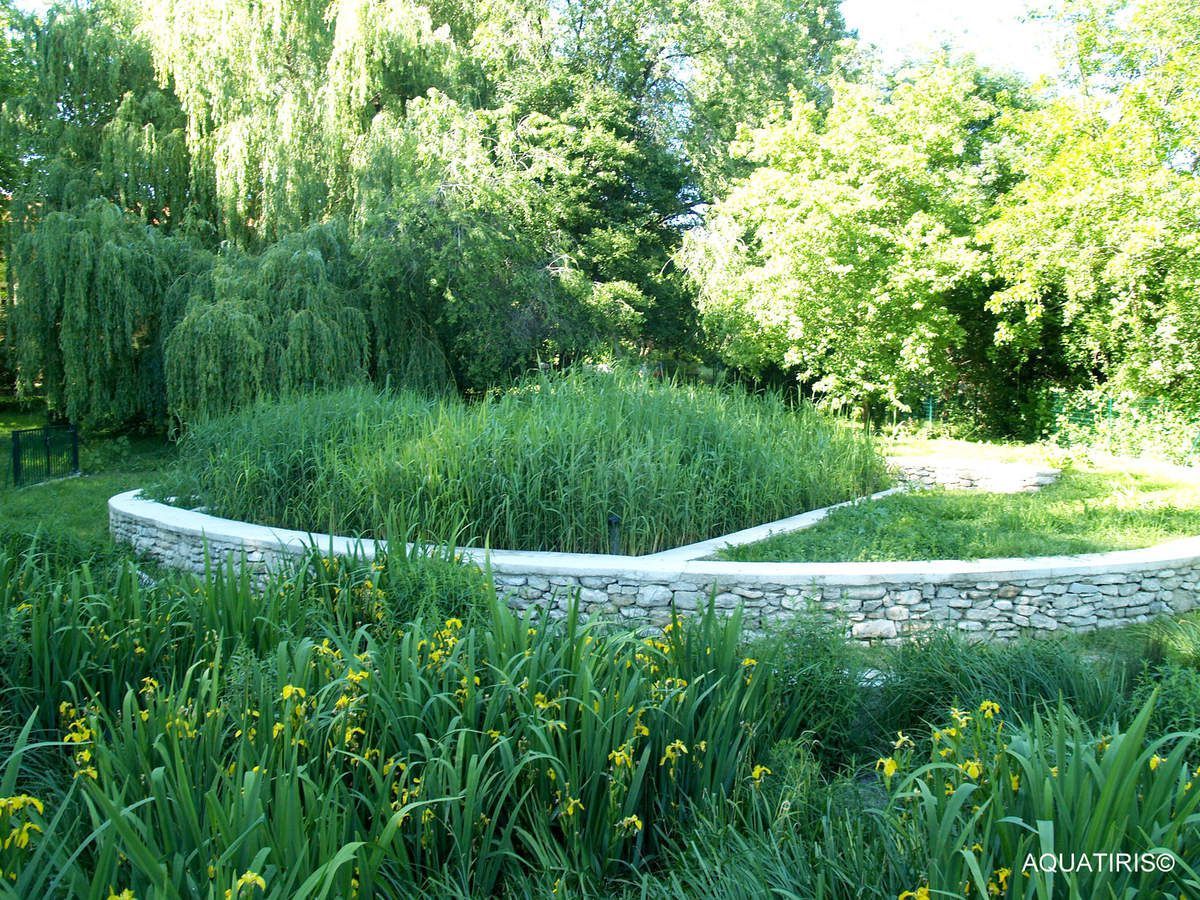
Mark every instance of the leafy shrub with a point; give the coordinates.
(539, 467)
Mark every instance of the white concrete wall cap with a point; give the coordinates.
(672, 566)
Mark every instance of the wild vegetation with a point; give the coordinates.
(1114, 505)
(539, 467)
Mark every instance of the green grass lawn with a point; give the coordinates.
(1109, 505)
(77, 507)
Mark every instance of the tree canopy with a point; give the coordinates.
(204, 201)
(441, 193)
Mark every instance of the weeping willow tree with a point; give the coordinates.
(97, 298)
(281, 322)
(277, 96)
(92, 240)
(95, 122)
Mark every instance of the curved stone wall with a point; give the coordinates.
(994, 598)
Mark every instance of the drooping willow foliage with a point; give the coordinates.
(281, 322)
(98, 294)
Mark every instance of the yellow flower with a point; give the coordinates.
(573, 804)
(15, 804)
(989, 708)
(290, 691)
(1015, 781)
(889, 766)
(622, 756)
(1156, 761)
(758, 773)
(149, 686)
(494, 734)
(126, 894)
(749, 661)
(276, 730)
(903, 741)
(251, 880)
(630, 823)
(972, 768)
(673, 751)
(921, 893)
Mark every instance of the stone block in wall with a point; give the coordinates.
(874, 629)
(654, 595)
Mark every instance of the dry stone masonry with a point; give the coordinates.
(994, 599)
(970, 475)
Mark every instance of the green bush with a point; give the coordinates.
(540, 467)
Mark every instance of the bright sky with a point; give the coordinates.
(991, 29)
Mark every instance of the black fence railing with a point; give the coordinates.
(39, 454)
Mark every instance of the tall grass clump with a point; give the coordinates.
(976, 805)
(542, 466)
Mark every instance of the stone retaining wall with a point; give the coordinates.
(996, 598)
(971, 475)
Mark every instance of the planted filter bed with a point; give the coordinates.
(542, 466)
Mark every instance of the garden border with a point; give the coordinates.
(997, 598)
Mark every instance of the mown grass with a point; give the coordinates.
(1097, 506)
(540, 467)
(385, 729)
(76, 508)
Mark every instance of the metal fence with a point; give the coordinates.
(39, 454)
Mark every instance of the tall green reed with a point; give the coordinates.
(542, 466)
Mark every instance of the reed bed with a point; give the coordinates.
(540, 467)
